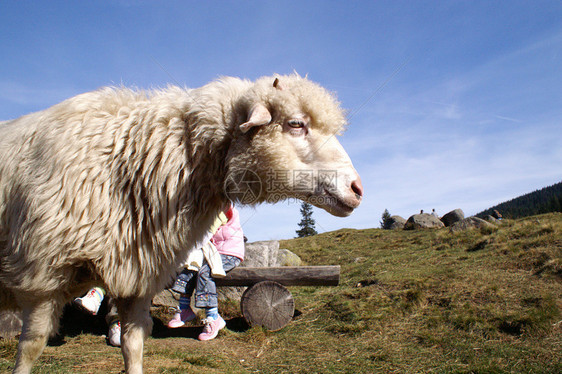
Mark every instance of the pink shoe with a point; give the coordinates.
(212, 328)
(180, 318)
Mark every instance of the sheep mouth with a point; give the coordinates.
(339, 207)
(334, 204)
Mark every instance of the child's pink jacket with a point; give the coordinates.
(229, 238)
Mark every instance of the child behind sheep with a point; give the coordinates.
(228, 241)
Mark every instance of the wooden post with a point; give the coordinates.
(285, 275)
(268, 304)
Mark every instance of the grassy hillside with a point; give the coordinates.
(480, 301)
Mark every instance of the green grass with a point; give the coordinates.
(430, 301)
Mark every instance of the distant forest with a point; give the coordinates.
(545, 200)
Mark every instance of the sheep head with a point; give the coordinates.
(285, 146)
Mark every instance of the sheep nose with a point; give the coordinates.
(357, 188)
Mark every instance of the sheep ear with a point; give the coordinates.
(277, 85)
(259, 116)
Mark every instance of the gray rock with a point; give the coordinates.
(469, 223)
(397, 223)
(230, 293)
(423, 221)
(10, 324)
(166, 298)
(264, 253)
(288, 258)
(453, 216)
(491, 219)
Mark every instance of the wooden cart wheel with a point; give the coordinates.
(268, 304)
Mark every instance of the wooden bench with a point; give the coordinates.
(267, 302)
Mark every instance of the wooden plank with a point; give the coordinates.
(285, 275)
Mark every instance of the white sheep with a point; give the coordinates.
(114, 187)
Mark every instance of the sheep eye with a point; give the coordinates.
(296, 123)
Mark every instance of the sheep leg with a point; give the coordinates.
(136, 325)
(40, 319)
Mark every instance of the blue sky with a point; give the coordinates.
(453, 104)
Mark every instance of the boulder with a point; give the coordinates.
(268, 254)
(288, 258)
(491, 219)
(397, 223)
(167, 298)
(468, 223)
(453, 216)
(423, 221)
(264, 253)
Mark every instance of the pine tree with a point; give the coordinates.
(386, 220)
(307, 222)
(545, 200)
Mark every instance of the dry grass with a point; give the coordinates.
(478, 301)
